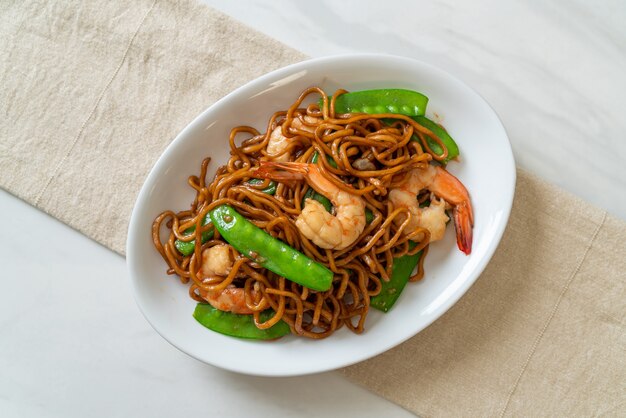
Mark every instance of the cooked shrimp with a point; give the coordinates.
(217, 261)
(278, 142)
(277, 145)
(326, 230)
(433, 217)
(447, 188)
(232, 299)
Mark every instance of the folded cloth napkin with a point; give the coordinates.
(91, 95)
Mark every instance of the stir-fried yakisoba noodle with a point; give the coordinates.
(343, 194)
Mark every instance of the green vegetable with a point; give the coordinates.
(331, 160)
(236, 325)
(312, 194)
(187, 247)
(400, 274)
(399, 101)
(453, 149)
(270, 189)
(404, 102)
(268, 251)
(369, 216)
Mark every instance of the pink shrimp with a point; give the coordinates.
(231, 299)
(217, 261)
(446, 187)
(278, 142)
(326, 230)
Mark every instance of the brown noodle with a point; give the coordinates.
(358, 268)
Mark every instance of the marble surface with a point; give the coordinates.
(73, 343)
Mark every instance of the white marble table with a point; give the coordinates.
(72, 342)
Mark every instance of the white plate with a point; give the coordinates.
(487, 169)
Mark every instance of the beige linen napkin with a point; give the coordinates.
(92, 93)
(90, 96)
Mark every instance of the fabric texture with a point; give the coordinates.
(92, 93)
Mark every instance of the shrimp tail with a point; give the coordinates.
(284, 172)
(448, 187)
(463, 223)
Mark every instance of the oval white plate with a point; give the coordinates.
(487, 169)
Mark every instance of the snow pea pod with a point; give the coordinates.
(400, 274)
(187, 247)
(241, 326)
(331, 160)
(442, 134)
(312, 194)
(369, 216)
(271, 253)
(399, 101)
(404, 102)
(270, 189)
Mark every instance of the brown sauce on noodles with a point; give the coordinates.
(359, 268)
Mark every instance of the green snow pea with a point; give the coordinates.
(270, 189)
(442, 134)
(369, 216)
(331, 160)
(387, 101)
(312, 194)
(399, 101)
(241, 326)
(268, 251)
(400, 274)
(187, 247)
